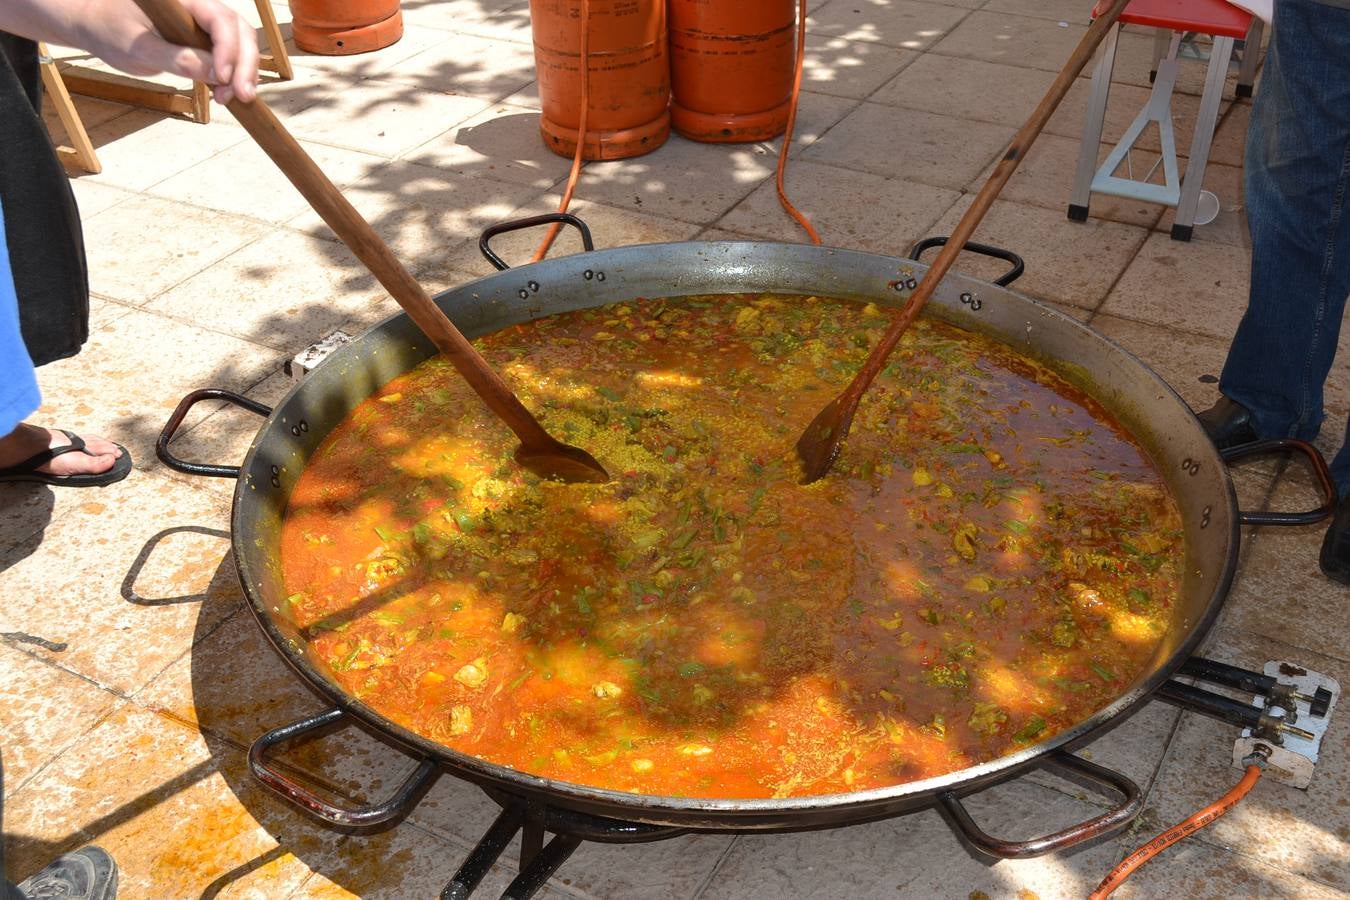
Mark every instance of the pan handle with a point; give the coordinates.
(1316, 464)
(312, 803)
(176, 420)
(517, 224)
(1018, 264)
(1111, 820)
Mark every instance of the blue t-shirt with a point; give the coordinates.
(19, 395)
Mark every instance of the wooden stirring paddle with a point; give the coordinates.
(820, 443)
(539, 451)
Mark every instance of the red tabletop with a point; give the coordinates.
(1217, 17)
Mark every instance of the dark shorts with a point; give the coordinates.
(42, 225)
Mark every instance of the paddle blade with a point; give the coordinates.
(562, 462)
(823, 439)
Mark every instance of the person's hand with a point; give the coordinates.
(120, 34)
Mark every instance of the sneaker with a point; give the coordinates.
(1335, 556)
(87, 874)
(1228, 424)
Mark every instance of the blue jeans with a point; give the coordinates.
(1298, 211)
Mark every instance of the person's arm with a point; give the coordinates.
(117, 32)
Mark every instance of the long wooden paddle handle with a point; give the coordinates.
(1021, 143)
(172, 20)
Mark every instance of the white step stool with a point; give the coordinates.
(1225, 23)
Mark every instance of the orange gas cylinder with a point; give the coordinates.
(628, 75)
(731, 68)
(342, 27)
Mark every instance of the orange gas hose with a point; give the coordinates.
(1169, 837)
(575, 175)
(802, 220)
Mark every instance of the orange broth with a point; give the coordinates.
(990, 561)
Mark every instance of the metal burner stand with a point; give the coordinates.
(1297, 696)
(539, 861)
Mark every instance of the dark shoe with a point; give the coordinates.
(1335, 558)
(1228, 424)
(87, 874)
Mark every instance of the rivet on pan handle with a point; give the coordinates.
(517, 224)
(312, 803)
(1109, 821)
(176, 420)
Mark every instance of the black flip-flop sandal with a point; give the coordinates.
(27, 470)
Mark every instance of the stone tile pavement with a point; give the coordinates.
(208, 269)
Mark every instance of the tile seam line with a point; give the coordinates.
(406, 157)
(1288, 642)
(52, 762)
(392, 78)
(212, 156)
(270, 223)
(488, 100)
(1033, 15)
(124, 112)
(919, 54)
(144, 307)
(928, 231)
(381, 161)
(127, 194)
(453, 840)
(205, 731)
(148, 469)
(384, 162)
(273, 229)
(1174, 328)
(119, 700)
(55, 664)
(1148, 794)
(468, 32)
(322, 780)
(328, 234)
(222, 407)
(1076, 138)
(259, 345)
(213, 261)
(1148, 231)
(962, 57)
(134, 697)
(130, 697)
(106, 298)
(857, 103)
(623, 209)
(109, 298)
(1097, 310)
(197, 207)
(962, 189)
(1082, 76)
(1203, 836)
(706, 884)
(980, 121)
